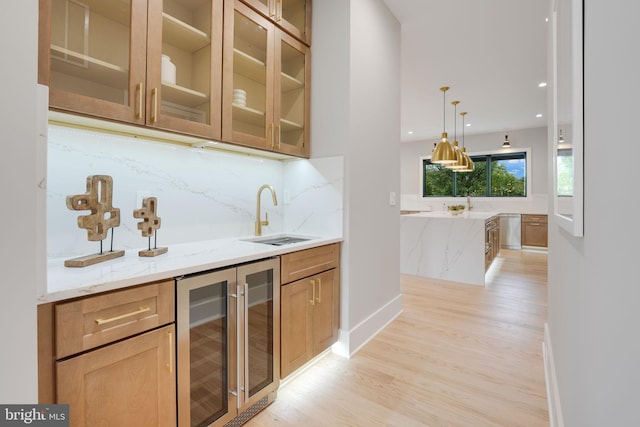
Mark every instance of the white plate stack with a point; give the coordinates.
(240, 97)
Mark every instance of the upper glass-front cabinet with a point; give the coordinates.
(151, 62)
(266, 84)
(292, 99)
(294, 16)
(184, 71)
(86, 51)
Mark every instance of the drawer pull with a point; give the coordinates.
(143, 309)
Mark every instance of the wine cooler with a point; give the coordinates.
(228, 343)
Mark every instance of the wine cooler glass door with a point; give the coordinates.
(259, 351)
(206, 348)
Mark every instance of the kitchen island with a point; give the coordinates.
(444, 246)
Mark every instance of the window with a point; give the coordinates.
(494, 175)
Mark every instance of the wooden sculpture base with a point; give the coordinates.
(86, 260)
(153, 252)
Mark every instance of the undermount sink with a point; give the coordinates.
(278, 240)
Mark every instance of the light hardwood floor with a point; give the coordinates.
(458, 355)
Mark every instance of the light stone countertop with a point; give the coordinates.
(181, 259)
(464, 215)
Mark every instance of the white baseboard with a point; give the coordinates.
(349, 342)
(553, 394)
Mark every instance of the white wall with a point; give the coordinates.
(356, 113)
(533, 139)
(19, 217)
(593, 281)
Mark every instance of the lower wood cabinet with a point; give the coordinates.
(129, 383)
(492, 240)
(111, 357)
(534, 230)
(309, 307)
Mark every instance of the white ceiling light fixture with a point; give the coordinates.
(542, 84)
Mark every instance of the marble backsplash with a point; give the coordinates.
(202, 194)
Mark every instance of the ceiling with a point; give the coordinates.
(491, 53)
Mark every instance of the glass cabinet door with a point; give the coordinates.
(295, 17)
(248, 91)
(292, 100)
(292, 15)
(184, 66)
(95, 62)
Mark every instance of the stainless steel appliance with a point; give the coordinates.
(510, 231)
(228, 343)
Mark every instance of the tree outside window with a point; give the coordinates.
(494, 175)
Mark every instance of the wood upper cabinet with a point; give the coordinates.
(294, 16)
(534, 230)
(104, 59)
(266, 91)
(310, 307)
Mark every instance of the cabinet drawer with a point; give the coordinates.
(534, 218)
(94, 321)
(297, 265)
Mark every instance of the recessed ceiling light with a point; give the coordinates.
(546, 19)
(410, 132)
(468, 124)
(542, 84)
(538, 115)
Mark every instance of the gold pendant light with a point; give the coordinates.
(459, 163)
(467, 163)
(444, 152)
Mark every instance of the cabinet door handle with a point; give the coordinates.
(279, 10)
(139, 91)
(319, 299)
(278, 135)
(312, 301)
(154, 101)
(270, 134)
(142, 309)
(245, 326)
(170, 364)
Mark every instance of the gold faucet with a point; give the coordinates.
(469, 203)
(259, 222)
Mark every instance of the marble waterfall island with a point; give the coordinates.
(440, 245)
